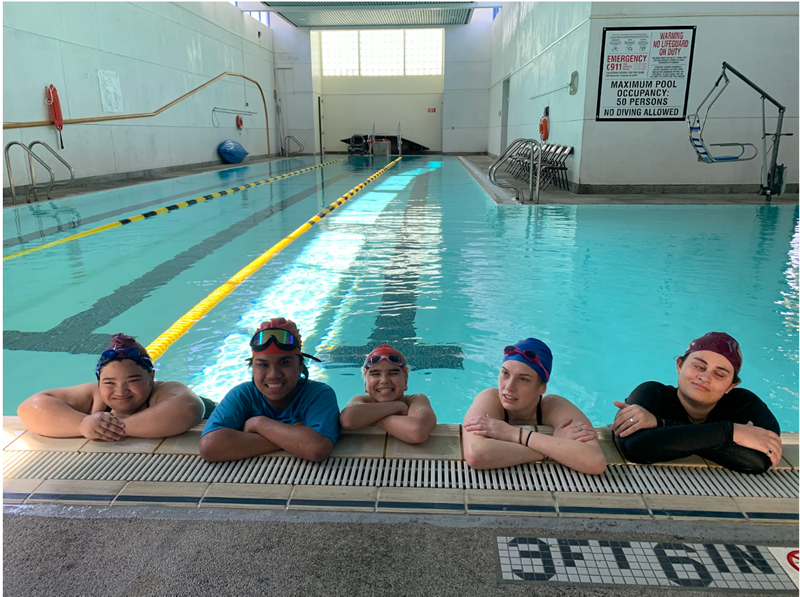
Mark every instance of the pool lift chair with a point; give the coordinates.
(773, 179)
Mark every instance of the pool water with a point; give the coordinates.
(421, 259)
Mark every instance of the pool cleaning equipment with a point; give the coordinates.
(773, 176)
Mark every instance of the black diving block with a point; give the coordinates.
(409, 147)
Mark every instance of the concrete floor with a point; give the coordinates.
(62, 550)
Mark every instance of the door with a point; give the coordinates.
(504, 118)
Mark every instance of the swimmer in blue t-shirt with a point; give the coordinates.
(279, 409)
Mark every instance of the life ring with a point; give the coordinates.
(239, 123)
(544, 128)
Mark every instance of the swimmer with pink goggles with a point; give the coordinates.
(384, 352)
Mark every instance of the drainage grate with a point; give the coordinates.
(375, 472)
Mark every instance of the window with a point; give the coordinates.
(382, 52)
(258, 16)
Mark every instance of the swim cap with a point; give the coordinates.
(122, 347)
(722, 344)
(528, 352)
(384, 352)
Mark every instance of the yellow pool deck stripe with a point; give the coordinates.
(159, 346)
(163, 210)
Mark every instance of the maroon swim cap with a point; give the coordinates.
(722, 344)
(126, 341)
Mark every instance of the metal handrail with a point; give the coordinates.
(399, 140)
(516, 145)
(52, 182)
(11, 176)
(21, 125)
(296, 140)
(371, 138)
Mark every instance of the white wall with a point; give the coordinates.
(316, 83)
(293, 63)
(537, 45)
(160, 51)
(467, 70)
(352, 103)
(758, 39)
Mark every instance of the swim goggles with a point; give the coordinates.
(529, 356)
(123, 353)
(281, 338)
(395, 359)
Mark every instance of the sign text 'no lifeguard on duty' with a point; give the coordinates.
(645, 73)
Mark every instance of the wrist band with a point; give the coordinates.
(520, 435)
(527, 439)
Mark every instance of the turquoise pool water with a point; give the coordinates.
(421, 258)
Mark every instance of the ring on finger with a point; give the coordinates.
(769, 452)
(632, 420)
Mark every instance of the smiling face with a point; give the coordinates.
(385, 382)
(276, 375)
(704, 377)
(125, 385)
(520, 389)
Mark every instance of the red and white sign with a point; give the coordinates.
(644, 73)
(431, 109)
(788, 560)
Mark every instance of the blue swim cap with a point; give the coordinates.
(533, 353)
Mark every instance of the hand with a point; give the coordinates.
(490, 427)
(757, 438)
(580, 431)
(632, 418)
(251, 424)
(102, 426)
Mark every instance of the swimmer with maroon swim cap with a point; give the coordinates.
(408, 417)
(501, 428)
(126, 401)
(705, 415)
(280, 408)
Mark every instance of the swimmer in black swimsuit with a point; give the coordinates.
(706, 414)
(126, 401)
(492, 434)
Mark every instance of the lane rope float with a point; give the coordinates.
(160, 345)
(163, 210)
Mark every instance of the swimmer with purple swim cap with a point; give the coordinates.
(499, 428)
(705, 415)
(126, 401)
(408, 417)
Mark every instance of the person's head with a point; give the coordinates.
(125, 374)
(709, 368)
(385, 373)
(524, 373)
(278, 364)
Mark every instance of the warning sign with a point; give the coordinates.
(788, 560)
(644, 73)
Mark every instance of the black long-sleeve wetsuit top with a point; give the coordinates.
(677, 437)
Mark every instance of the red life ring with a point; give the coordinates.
(239, 123)
(544, 128)
(51, 99)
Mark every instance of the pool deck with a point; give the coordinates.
(233, 518)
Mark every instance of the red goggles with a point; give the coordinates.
(529, 356)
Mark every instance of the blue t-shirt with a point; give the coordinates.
(314, 406)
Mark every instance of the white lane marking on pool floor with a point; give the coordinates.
(636, 563)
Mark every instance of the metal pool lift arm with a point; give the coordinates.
(772, 177)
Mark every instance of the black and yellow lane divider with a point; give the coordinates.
(159, 346)
(163, 210)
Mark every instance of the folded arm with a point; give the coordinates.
(296, 439)
(173, 409)
(360, 413)
(414, 427)
(59, 412)
(223, 445)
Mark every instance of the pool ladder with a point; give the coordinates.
(301, 147)
(32, 156)
(517, 148)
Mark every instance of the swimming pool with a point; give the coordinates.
(422, 259)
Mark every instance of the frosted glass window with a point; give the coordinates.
(340, 53)
(381, 52)
(423, 51)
